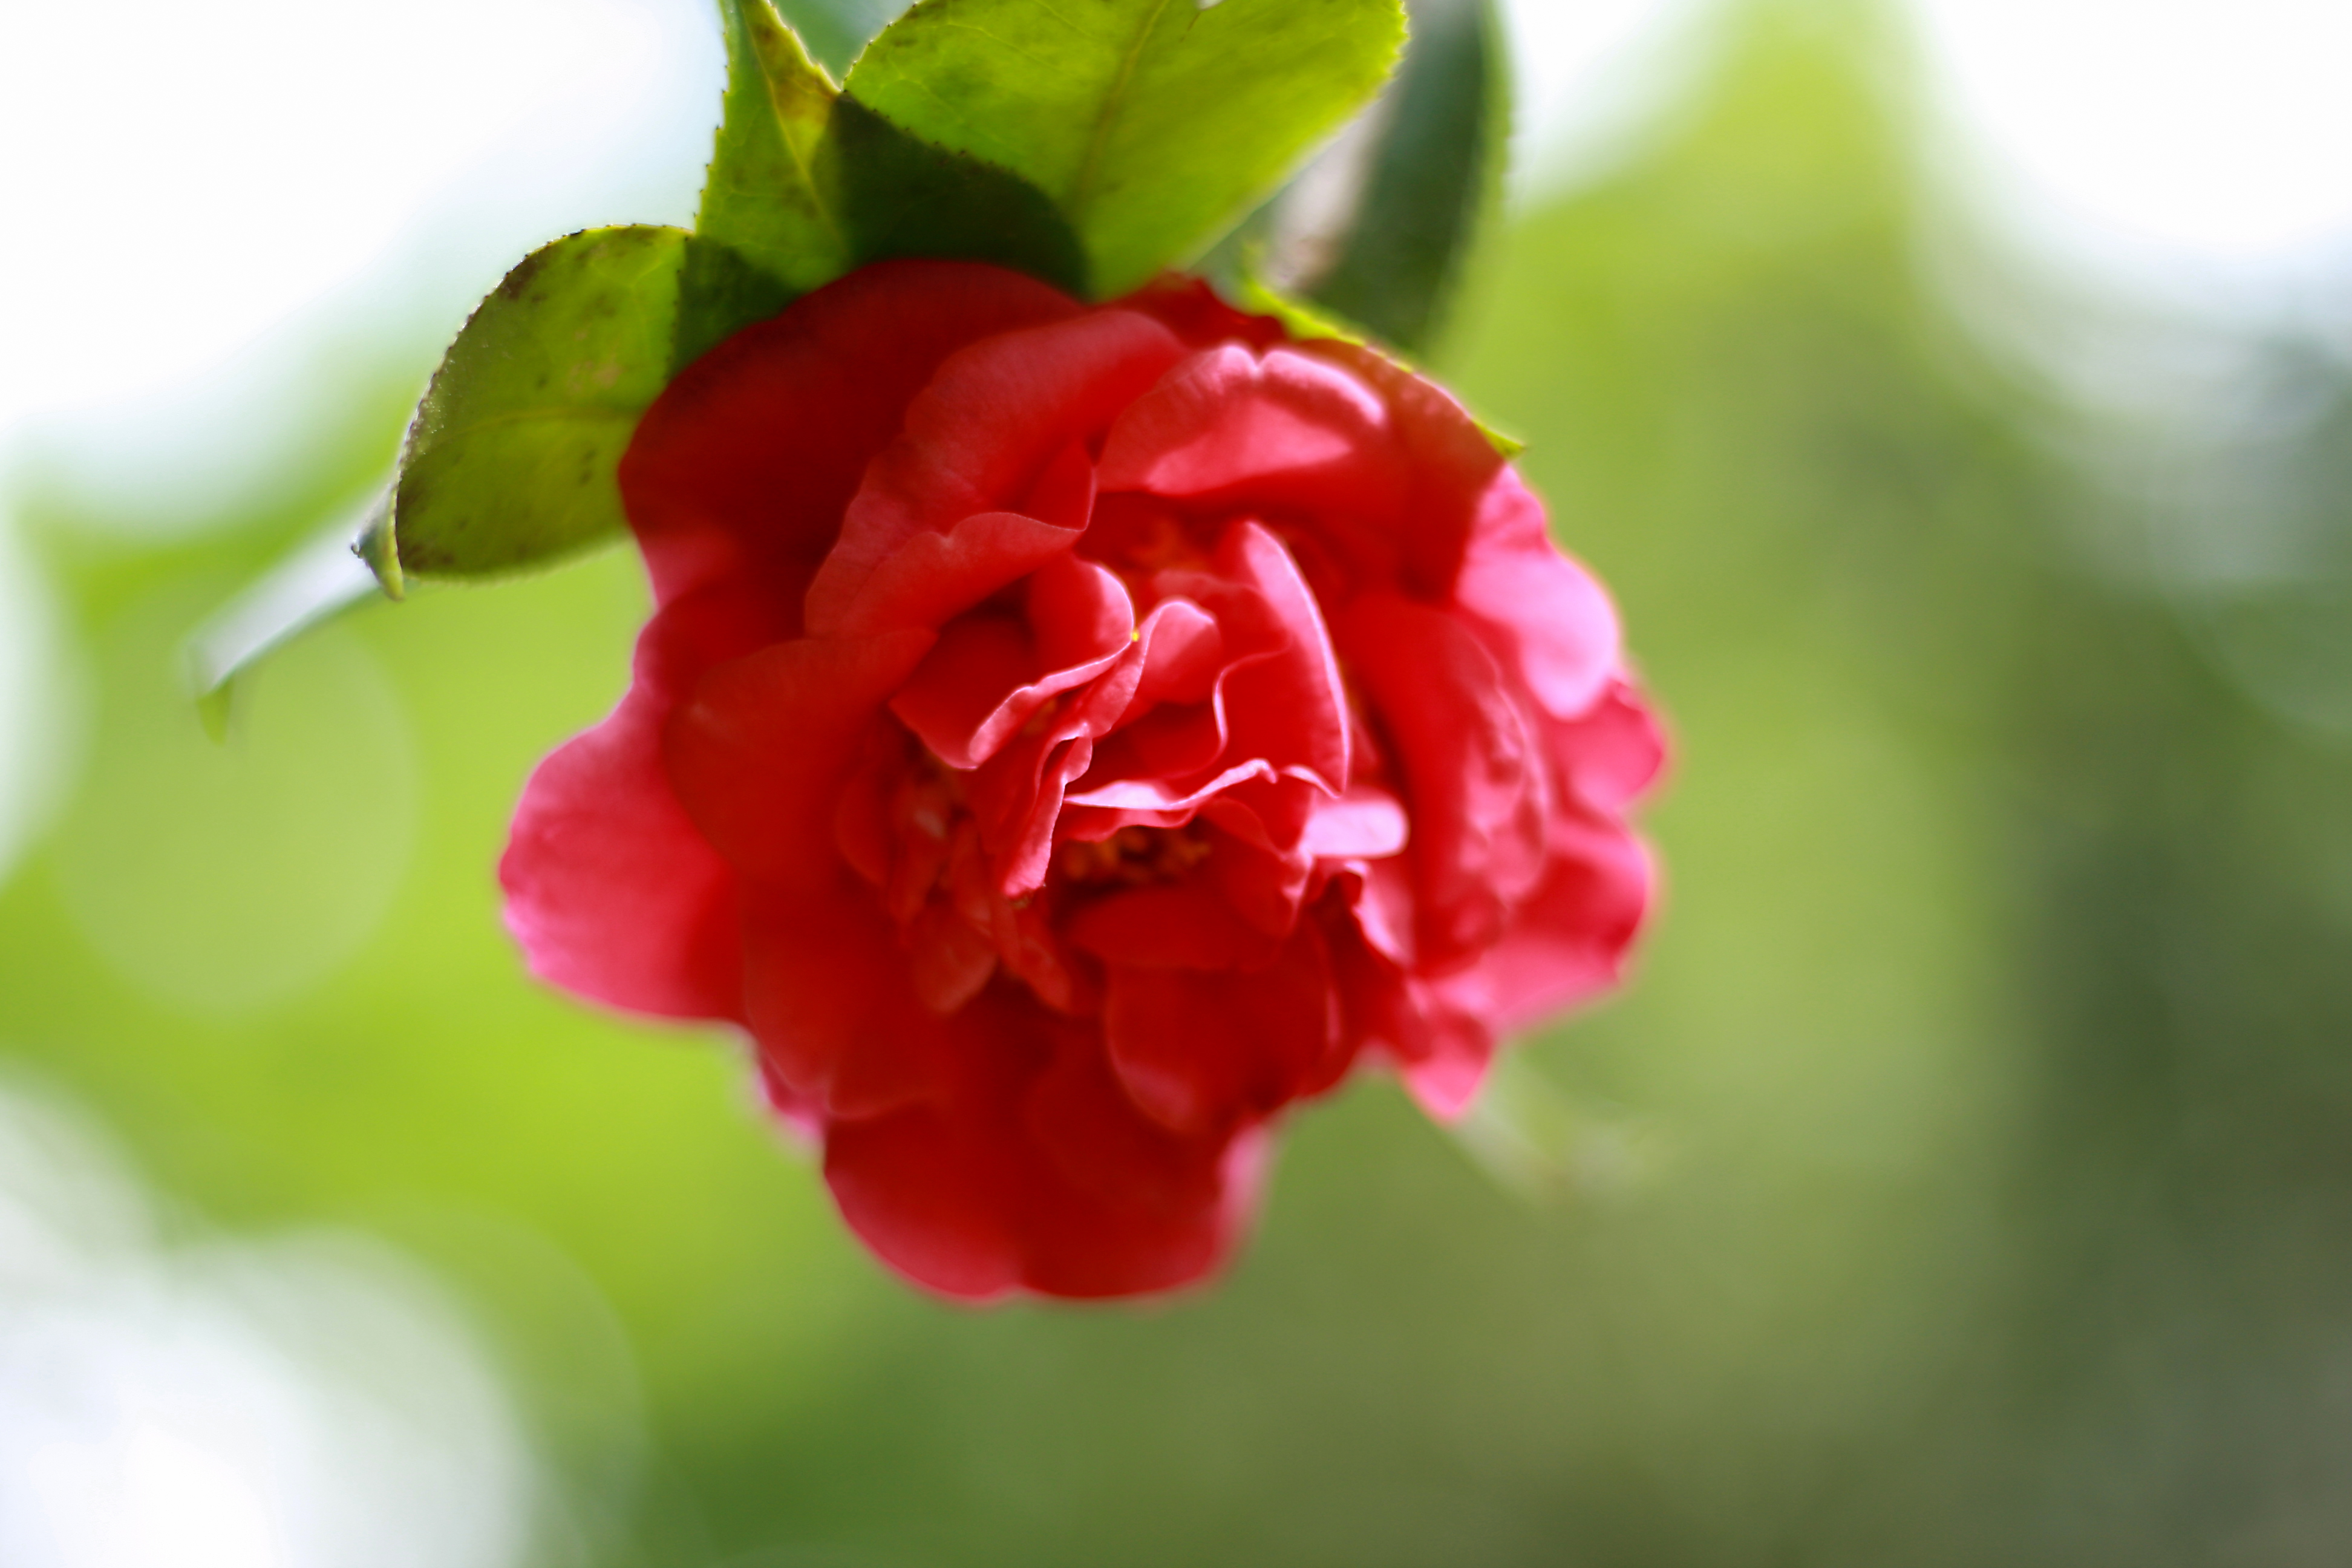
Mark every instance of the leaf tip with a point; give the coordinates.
(378, 546)
(1503, 441)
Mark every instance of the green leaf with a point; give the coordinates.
(902, 196)
(1432, 162)
(764, 199)
(721, 292)
(510, 461)
(835, 30)
(1152, 125)
(805, 184)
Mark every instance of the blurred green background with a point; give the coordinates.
(1965, 1176)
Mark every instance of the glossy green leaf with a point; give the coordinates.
(1151, 124)
(805, 184)
(902, 196)
(1431, 162)
(510, 461)
(764, 199)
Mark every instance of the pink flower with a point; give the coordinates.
(1070, 735)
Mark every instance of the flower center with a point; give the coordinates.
(1133, 856)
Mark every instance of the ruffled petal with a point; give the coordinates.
(1200, 1049)
(762, 753)
(1392, 471)
(1569, 939)
(1037, 1174)
(989, 428)
(934, 577)
(1182, 651)
(1289, 706)
(1016, 795)
(747, 461)
(1612, 754)
(609, 888)
(1449, 462)
(1441, 1051)
(1547, 618)
(992, 673)
(1473, 772)
(1275, 710)
(1233, 424)
(1177, 925)
(829, 997)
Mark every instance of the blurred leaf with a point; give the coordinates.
(1151, 123)
(510, 461)
(314, 583)
(1540, 1143)
(1428, 161)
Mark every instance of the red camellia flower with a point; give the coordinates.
(1068, 736)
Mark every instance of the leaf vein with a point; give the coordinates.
(1090, 168)
(801, 164)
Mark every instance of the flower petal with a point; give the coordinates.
(934, 1196)
(1440, 1051)
(1571, 937)
(1037, 1173)
(1123, 1205)
(1365, 824)
(1201, 1049)
(609, 888)
(992, 673)
(1449, 462)
(747, 460)
(1179, 925)
(1192, 310)
(1545, 618)
(761, 753)
(1473, 773)
(934, 577)
(828, 996)
(1289, 708)
(1230, 416)
(1613, 753)
(1447, 1063)
(988, 429)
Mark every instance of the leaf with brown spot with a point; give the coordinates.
(509, 463)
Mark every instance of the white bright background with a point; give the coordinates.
(2205, 138)
(306, 1401)
(198, 195)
